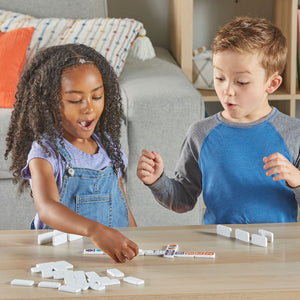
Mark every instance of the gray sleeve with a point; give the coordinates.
(289, 129)
(180, 193)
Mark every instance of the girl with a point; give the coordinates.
(64, 138)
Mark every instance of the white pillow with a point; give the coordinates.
(204, 68)
(109, 36)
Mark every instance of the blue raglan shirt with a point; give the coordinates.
(224, 160)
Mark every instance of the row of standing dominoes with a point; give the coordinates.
(57, 237)
(260, 239)
(75, 281)
(170, 252)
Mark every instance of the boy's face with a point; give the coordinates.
(241, 85)
(82, 101)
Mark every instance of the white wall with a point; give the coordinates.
(152, 13)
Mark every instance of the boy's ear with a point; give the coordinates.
(273, 83)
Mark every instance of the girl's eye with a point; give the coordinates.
(97, 98)
(74, 101)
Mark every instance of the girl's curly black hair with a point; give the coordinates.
(37, 108)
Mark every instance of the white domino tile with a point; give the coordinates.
(154, 252)
(80, 280)
(134, 280)
(62, 265)
(22, 282)
(59, 239)
(268, 234)
(74, 237)
(45, 238)
(242, 235)
(259, 240)
(58, 274)
(115, 273)
(69, 288)
(92, 276)
(97, 286)
(49, 284)
(224, 230)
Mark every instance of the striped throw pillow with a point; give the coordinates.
(111, 37)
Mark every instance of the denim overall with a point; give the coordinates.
(94, 194)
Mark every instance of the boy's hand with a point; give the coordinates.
(150, 166)
(114, 244)
(276, 163)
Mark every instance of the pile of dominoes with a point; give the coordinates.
(260, 239)
(75, 281)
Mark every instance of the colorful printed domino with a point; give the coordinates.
(184, 254)
(205, 254)
(93, 251)
(170, 250)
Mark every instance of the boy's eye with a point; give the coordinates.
(243, 82)
(219, 78)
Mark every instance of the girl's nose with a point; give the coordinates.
(88, 106)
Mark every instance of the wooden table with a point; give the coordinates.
(239, 271)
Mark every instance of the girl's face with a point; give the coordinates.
(241, 85)
(82, 101)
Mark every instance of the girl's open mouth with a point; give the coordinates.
(87, 125)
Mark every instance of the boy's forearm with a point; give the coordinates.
(171, 194)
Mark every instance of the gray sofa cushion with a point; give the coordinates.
(161, 105)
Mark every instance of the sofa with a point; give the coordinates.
(159, 102)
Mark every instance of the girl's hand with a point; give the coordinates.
(276, 163)
(150, 167)
(114, 244)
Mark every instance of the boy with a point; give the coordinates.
(246, 158)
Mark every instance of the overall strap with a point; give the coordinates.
(64, 153)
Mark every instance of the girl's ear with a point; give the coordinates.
(273, 83)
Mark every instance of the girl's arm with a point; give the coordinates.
(132, 222)
(60, 217)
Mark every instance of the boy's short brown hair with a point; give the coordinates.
(251, 35)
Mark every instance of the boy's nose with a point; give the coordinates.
(229, 91)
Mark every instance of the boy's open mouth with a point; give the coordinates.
(230, 105)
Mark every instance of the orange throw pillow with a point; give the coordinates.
(13, 48)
